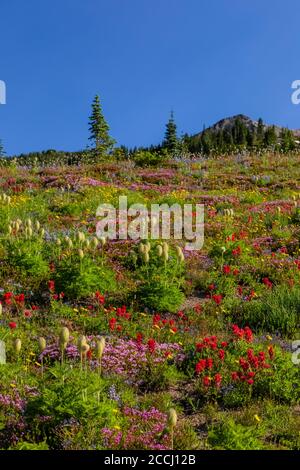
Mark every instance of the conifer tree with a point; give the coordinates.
(270, 137)
(287, 140)
(260, 132)
(171, 140)
(2, 151)
(99, 129)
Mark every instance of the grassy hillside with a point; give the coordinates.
(210, 336)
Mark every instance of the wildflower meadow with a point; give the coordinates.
(143, 344)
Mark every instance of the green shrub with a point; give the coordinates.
(229, 435)
(145, 158)
(27, 259)
(159, 282)
(70, 398)
(82, 278)
(276, 311)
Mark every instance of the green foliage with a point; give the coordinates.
(27, 258)
(70, 397)
(145, 158)
(230, 435)
(160, 282)
(276, 310)
(171, 141)
(24, 445)
(79, 278)
(99, 129)
(157, 295)
(185, 437)
(2, 151)
(239, 135)
(159, 377)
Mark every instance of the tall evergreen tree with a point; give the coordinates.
(99, 129)
(171, 140)
(240, 132)
(287, 140)
(2, 151)
(260, 132)
(207, 142)
(270, 137)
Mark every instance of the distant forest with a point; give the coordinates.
(231, 135)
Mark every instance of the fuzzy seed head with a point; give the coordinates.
(159, 250)
(84, 349)
(17, 345)
(64, 335)
(178, 251)
(42, 344)
(81, 236)
(165, 248)
(94, 242)
(81, 341)
(172, 418)
(100, 346)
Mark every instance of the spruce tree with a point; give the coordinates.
(240, 132)
(171, 140)
(270, 137)
(260, 132)
(287, 140)
(207, 142)
(99, 129)
(2, 151)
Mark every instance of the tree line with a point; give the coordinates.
(235, 137)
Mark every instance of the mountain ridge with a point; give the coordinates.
(251, 124)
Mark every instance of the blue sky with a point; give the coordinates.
(206, 59)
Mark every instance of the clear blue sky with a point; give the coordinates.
(206, 59)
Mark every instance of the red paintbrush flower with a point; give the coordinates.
(151, 345)
(226, 269)
(51, 286)
(217, 298)
(200, 366)
(206, 381)
(218, 380)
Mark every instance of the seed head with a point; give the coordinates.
(42, 344)
(100, 346)
(64, 335)
(159, 250)
(172, 418)
(17, 345)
